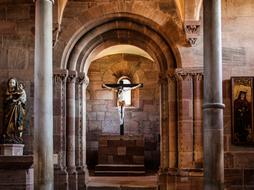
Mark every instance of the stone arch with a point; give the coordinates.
(108, 25)
(152, 20)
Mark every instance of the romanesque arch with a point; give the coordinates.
(113, 24)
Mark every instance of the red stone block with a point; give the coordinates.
(233, 177)
(7, 27)
(249, 177)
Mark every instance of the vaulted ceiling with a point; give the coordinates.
(188, 10)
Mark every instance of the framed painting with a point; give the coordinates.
(242, 111)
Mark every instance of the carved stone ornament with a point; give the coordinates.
(192, 41)
(60, 75)
(82, 79)
(71, 78)
(192, 30)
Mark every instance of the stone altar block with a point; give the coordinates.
(120, 155)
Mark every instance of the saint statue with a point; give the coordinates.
(121, 88)
(14, 112)
(242, 115)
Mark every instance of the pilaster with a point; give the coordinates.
(185, 120)
(198, 119)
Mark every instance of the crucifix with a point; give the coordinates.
(121, 88)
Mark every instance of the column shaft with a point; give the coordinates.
(70, 130)
(164, 122)
(70, 122)
(172, 114)
(81, 131)
(213, 106)
(43, 99)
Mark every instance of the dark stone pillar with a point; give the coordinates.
(213, 106)
(70, 130)
(43, 96)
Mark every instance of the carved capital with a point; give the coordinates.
(82, 79)
(71, 78)
(192, 30)
(60, 75)
(192, 27)
(198, 76)
(184, 76)
(171, 78)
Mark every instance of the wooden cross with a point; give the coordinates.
(121, 87)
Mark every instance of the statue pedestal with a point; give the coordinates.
(16, 170)
(120, 155)
(11, 149)
(16, 173)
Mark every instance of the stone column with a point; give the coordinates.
(185, 121)
(213, 106)
(82, 83)
(197, 119)
(70, 130)
(164, 125)
(43, 98)
(172, 114)
(59, 107)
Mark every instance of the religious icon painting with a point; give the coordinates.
(242, 111)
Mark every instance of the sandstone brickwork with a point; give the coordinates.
(154, 26)
(141, 118)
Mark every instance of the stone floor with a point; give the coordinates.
(150, 182)
(123, 183)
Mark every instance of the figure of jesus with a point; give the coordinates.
(121, 88)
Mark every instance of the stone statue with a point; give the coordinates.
(14, 112)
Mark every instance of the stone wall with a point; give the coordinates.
(17, 60)
(17, 55)
(238, 57)
(142, 118)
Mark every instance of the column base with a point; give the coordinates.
(72, 178)
(82, 177)
(60, 179)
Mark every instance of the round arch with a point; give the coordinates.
(167, 28)
(153, 31)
